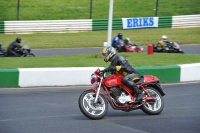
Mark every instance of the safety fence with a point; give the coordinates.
(45, 26)
(184, 21)
(30, 77)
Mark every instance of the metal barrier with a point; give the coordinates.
(184, 21)
(47, 26)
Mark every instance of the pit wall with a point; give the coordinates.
(33, 77)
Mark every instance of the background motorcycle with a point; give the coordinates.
(133, 48)
(3, 52)
(93, 102)
(171, 47)
(24, 52)
(130, 48)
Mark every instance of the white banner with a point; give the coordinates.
(130, 23)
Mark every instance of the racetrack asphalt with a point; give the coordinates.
(55, 110)
(188, 49)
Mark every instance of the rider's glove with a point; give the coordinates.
(108, 69)
(113, 68)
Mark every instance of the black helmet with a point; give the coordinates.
(18, 39)
(120, 35)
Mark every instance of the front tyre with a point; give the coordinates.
(153, 107)
(29, 55)
(90, 109)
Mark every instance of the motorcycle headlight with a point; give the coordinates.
(94, 80)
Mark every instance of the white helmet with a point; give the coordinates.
(164, 38)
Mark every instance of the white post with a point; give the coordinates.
(110, 23)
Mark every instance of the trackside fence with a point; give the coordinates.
(10, 27)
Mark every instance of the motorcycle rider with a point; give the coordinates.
(0, 45)
(121, 65)
(128, 42)
(116, 41)
(162, 42)
(13, 45)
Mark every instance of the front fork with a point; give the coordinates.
(98, 90)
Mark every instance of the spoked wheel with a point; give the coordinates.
(90, 109)
(153, 107)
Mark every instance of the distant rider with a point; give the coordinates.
(120, 65)
(162, 42)
(128, 43)
(13, 45)
(0, 45)
(117, 41)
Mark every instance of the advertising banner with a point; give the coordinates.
(142, 22)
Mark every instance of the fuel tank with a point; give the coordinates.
(113, 80)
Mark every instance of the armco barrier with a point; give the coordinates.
(30, 77)
(186, 21)
(34, 26)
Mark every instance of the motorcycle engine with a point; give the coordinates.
(119, 95)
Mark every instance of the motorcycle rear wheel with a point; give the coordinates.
(90, 109)
(153, 108)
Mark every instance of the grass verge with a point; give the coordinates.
(93, 60)
(96, 38)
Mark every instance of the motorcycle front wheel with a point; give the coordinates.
(29, 55)
(90, 109)
(181, 52)
(153, 107)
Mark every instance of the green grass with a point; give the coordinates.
(74, 9)
(95, 60)
(96, 38)
(65, 10)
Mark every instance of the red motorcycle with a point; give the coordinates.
(93, 102)
(133, 48)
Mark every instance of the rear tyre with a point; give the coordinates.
(153, 108)
(90, 109)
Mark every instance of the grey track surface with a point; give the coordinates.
(188, 49)
(55, 110)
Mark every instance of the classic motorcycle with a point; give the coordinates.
(93, 102)
(24, 52)
(171, 47)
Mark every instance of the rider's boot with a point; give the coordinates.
(139, 94)
(137, 91)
